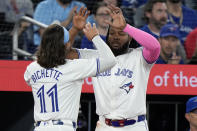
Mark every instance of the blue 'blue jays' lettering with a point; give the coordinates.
(105, 73)
(120, 72)
(45, 73)
(124, 72)
(127, 87)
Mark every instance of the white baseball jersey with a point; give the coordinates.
(121, 91)
(56, 91)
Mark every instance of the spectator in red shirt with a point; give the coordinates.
(190, 44)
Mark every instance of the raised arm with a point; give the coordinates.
(106, 57)
(79, 21)
(151, 46)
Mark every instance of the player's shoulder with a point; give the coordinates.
(134, 50)
(33, 65)
(86, 49)
(75, 61)
(87, 53)
(74, 64)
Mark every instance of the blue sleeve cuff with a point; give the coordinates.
(78, 52)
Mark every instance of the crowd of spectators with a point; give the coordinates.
(153, 16)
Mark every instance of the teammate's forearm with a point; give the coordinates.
(72, 34)
(66, 22)
(143, 38)
(107, 58)
(151, 45)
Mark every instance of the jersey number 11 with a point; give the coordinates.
(51, 93)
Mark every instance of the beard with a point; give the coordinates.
(159, 23)
(121, 50)
(175, 1)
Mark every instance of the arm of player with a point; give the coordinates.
(79, 21)
(151, 45)
(27, 76)
(82, 54)
(106, 57)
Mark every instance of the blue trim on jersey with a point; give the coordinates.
(98, 66)
(78, 52)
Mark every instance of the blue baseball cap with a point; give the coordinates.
(191, 104)
(170, 30)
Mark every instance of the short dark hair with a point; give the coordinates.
(149, 6)
(98, 5)
(51, 52)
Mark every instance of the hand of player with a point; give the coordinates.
(79, 19)
(117, 17)
(90, 31)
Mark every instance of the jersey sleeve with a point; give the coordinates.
(87, 53)
(147, 66)
(27, 76)
(151, 45)
(82, 68)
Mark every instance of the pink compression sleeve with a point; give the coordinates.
(151, 45)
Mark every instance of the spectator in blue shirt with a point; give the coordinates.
(169, 39)
(191, 4)
(133, 3)
(191, 113)
(183, 16)
(100, 14)
(49, 11)
(155, 14)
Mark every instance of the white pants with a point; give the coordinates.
(51, 127)
(54, 128)
(138, 126)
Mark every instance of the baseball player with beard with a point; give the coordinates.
(56, 82)
(120, 92)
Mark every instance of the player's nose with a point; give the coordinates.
(116, 38)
